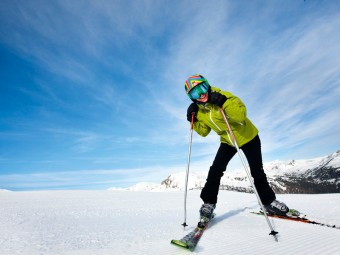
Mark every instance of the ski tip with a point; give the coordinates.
(180, 244)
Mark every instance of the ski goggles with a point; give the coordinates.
(198, 90)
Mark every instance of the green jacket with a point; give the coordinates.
(210, 118)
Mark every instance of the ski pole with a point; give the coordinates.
(273, 232)
(187, 174)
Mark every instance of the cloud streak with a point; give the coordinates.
(101, 85)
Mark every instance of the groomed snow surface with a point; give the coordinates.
(127, 222)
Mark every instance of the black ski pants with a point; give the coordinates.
(252, 151)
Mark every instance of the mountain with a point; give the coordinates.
(311, 176)
(314, 176)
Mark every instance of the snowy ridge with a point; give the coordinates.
(318, 175)
(146, 186)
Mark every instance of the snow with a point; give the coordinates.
(145, 186)
(120, 222)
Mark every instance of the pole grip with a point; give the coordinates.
(192, 120)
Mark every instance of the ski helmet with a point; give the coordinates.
(193, 81)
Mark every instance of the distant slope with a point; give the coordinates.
(312, 176)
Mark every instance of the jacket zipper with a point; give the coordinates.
(210, 111)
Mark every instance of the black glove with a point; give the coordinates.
(193, 108)
(217, 98)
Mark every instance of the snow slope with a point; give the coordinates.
(127, 222)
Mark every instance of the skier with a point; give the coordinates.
(206, 103)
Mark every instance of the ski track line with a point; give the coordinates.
(227, 239)
(290, 242)
(124, 223)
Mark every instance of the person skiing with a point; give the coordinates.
(204, 112)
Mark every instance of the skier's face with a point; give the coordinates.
(203, 98)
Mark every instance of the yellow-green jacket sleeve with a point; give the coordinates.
(201, 128)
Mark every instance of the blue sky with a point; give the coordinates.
(92, 92)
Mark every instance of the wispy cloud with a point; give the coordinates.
(105, 82)
(82, 178)
(291, 89)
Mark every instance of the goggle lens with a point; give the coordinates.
(196, 92)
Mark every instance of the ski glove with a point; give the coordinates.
(217, 98)
(193, 108)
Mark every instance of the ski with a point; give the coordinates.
(190, 240)
(294, 215)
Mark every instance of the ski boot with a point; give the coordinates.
(206, 214)
(277, 208)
